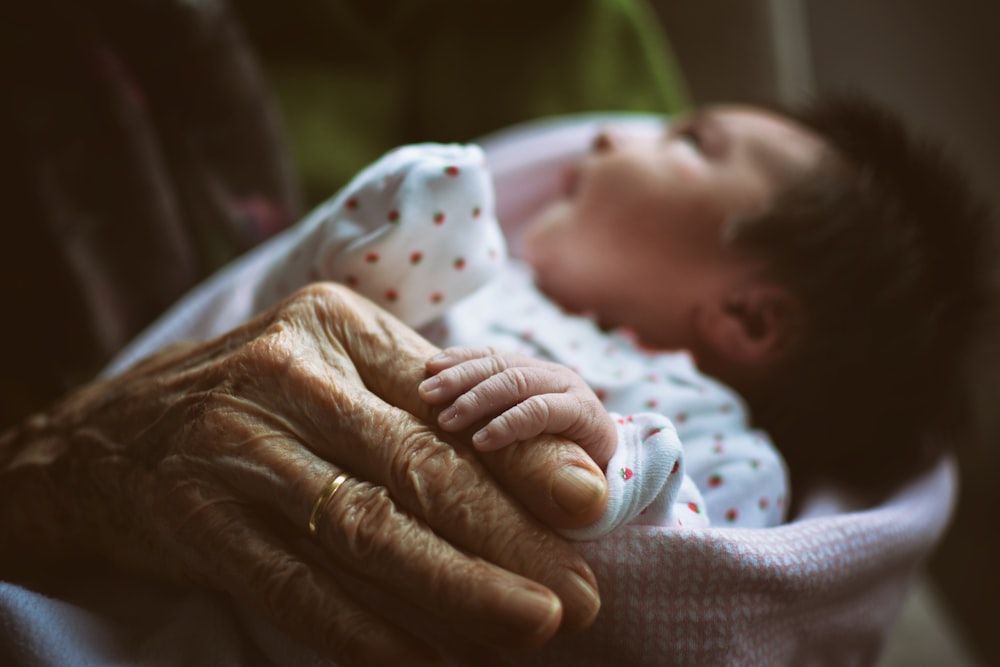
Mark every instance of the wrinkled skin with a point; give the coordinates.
(202, 464)
(519, 397)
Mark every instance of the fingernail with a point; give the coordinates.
(430, 385)
(448, 415)
(577, 489)
(440, 358)
(480, 437)
(581, 602)
(533, 613)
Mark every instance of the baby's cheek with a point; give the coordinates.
(685, 161)
(544, 231)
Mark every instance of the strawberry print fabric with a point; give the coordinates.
(415, 232)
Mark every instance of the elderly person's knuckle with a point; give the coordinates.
(324, 303)
(369, 525)
(442, 486)
(268, 353)
(422, 466)
(285, 358)
(323, 294)
(281, 582)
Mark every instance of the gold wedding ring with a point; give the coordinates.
(324, 500)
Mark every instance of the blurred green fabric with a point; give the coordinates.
(355, 78)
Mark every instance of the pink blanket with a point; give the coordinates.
(824, 590)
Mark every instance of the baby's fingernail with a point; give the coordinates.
(577, 489)
(480, 438)
(440, 358)
(448, 415)
(430, 386)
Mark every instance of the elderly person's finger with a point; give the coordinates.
(264, 572)
(363, 528)
(553, 476)
(365, 532)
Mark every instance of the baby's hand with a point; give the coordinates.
(520, 397)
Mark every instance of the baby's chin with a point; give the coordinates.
(555, 291)
(570, 178)
(572, 302)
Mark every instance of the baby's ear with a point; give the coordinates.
(752, 326)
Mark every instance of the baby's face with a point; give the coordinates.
(638, 239)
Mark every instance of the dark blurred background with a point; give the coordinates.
(936, 60)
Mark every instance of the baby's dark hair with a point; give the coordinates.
(891, 257)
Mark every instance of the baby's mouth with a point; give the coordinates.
(570, 179)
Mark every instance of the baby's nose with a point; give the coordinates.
(606, 140)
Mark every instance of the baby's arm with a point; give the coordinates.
(520, 397)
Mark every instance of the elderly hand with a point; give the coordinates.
(205, 463)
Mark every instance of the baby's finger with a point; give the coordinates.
(450, 382)
(497, 392)
(541, 413)
(455, 355)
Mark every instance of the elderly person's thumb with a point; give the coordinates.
(552, 477)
